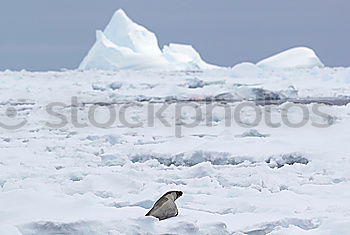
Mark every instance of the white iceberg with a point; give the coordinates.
(126, 45)
(299, 57)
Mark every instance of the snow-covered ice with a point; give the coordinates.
(235, 179)
(126, 45)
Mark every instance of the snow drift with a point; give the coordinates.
(299, 57)
(126, 45)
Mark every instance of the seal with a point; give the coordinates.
(165, 207)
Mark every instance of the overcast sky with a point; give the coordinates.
(40, 35)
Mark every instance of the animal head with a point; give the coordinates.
(174, 194)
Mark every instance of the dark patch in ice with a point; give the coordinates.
(163, 159)
(263, 94)
(252, 133)
(339, 180)
(287, 159)
(190, 72)
(217, 158)
(225, 96)
(92, 137)
(330, 120)
(259, 93)
(203, 135)
(2, 183)
(142, 98)
(76, 178)
(18, 102)
(170, 98)
(291, 92)
(191, 159)
(283, 187)
(217, 82)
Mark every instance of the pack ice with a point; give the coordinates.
(126, 45)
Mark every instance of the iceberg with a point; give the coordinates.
(299, 57)
(246, 70)
(126, 45)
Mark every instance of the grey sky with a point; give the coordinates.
(42, 35)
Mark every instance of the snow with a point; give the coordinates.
(236, 179)
(299, 57)
(126, 45)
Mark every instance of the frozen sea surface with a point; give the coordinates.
(236, 179)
